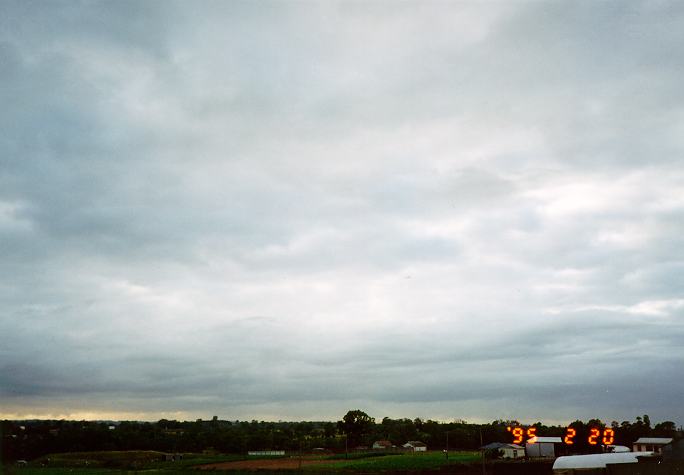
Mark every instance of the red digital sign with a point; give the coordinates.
(608, 437)
(596, 436)
(570, 434)
(519, 433)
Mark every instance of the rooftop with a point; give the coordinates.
(545, 440)
(654, 440)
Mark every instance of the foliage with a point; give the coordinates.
(30, 440)
(492, 454)
(355, 424)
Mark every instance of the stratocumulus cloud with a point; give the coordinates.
(288, 210)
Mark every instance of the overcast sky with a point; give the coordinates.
(286, 210)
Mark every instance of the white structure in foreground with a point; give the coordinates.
(579, 462)
(542, 446)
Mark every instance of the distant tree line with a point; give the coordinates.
(32, 439)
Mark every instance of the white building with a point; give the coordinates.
(509, 451)
(542, 446)
(651, 444)
(513, 451)
(415, 445)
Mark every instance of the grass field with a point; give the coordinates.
(101, 459)
(146, 463)
(109, 463)
(408, 461)
(90, 471)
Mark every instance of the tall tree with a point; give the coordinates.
(355, 424)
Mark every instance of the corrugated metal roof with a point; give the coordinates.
(545, 440)
(654, 440)
(494, 445)
(501, 445)
(597, 460)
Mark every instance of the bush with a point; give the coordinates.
(493, 454)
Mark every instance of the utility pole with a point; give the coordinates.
(482, 452)
(446, 452)
(300, 454)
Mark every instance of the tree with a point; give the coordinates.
(665, 429)
(355, 424)
(647, 421)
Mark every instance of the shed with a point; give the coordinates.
(651, 444)
(542, 446)
(382, 444)
(415, 445)
(510, 451)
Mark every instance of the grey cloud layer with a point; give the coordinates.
(287, 210)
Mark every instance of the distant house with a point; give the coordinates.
(651, 444)
(382, 444)
(415, 445)
(542, 446)
(510, 451)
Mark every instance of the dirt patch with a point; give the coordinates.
(262, 464)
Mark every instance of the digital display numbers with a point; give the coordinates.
(596, 436)
(519, 433)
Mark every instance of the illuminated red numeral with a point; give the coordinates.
(570, 433)
(593, 436)
(518, 434)
(532, 434)
(608, 437)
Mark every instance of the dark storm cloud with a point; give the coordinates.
(285, 211)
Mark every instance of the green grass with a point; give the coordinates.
(114, 462)
(100, 459)
(190, 460)
(93, 471)
(96, 471)
(409, 461)
(356, 455)
(58, 471)
(73, 463)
